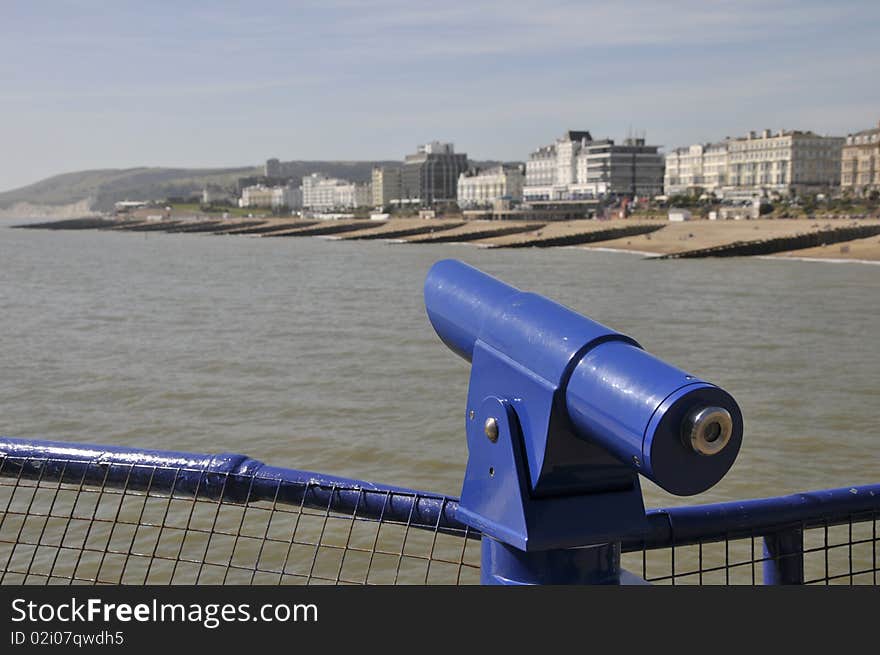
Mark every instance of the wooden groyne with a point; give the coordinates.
(201, 226)
(71, 224)
(261, 227)
(219, 227)
(655, 238)
(327, 228)
(461, 236)
(404, 231)
(579, 238)
(779, 244)
(238, 228)
(153, 226)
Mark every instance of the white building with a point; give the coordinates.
(578, 167)
(216, 195)
(684, 170)
(482, 188)
(784, 162)
(551, 169)
(679, 215)
(756, 165)
(322, 193)
(716, 165)
(860, 165)
(700, 168)
(271, 197)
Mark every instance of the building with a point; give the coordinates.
(216, 195)
(430, 176)
(551, 169)
(322, 193)
(578, 167)
(272, 168)
(697, 169)
(276, 170)
(279, 197)
(540, 174)
(386, 185)
(679, 215)
(716, 165)
(477, 189)
(631, 169)
(860, 161)
(783, 163)
(684, 170)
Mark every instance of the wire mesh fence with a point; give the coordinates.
(94, 520)
(836, 550)
(72, 527)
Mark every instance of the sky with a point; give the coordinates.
(114, 84)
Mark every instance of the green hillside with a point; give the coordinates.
(104, 187)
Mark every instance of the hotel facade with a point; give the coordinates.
(767, 163)
(278, 197)
(479, 189)
(322, 193)
(860, 161)
(577, 167)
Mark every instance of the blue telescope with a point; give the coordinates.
(564, 413)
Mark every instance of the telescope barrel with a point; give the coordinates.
(679, 431)
(464, 304)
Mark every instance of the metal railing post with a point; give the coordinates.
(784, 557)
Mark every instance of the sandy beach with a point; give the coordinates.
(693, 235)
(847, 239)
(858, 249)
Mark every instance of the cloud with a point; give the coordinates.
(345, 78)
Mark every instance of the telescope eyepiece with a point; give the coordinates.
(707, 430)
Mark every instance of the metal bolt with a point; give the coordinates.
(471, 415)
(636, 461)
(491, 429)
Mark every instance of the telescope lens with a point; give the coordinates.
(713, 431)
(707, 431)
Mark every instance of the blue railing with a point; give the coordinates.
(35, 525)
(563, 416)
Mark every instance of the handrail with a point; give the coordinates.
(238, 478)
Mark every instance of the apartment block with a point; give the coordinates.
(860, 161)
(578, 167)
(322, 193)
(699, 168)
(271, 197)
(430, 176)
(386, 185)
(783, 162)
(478, 189)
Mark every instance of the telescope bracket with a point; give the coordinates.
(538, 486)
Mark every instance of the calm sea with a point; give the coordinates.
(317, 354)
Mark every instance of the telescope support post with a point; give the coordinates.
(588, 499)
(502, 564)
